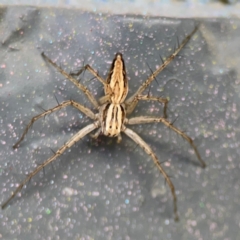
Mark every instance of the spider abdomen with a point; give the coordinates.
(112, 119)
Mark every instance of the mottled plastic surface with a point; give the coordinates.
(101, 189)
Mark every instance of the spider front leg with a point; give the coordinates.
(155, 73)
(145, 119)
(92, 71)
(83, 132)
(133, 104)
(74, 81)
(80, 107)
(149, 151)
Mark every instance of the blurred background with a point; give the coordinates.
(167, 8)
(99, 189)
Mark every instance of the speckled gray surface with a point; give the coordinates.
(101, 189)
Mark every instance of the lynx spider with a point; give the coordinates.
(113, 109)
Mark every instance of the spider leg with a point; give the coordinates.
(80, 107)
(74, 81)
(92, 71)
(130, 101)
(104, 99)
(119, 138)
(96, 134)
(148, 98)
(145, 119)
(134, 136)
(83, 132)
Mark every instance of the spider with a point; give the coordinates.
(112, 111)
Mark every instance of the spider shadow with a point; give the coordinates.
(43, 178)
(146, 180)
(110, 146)
(162, 204)
(177, 154)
